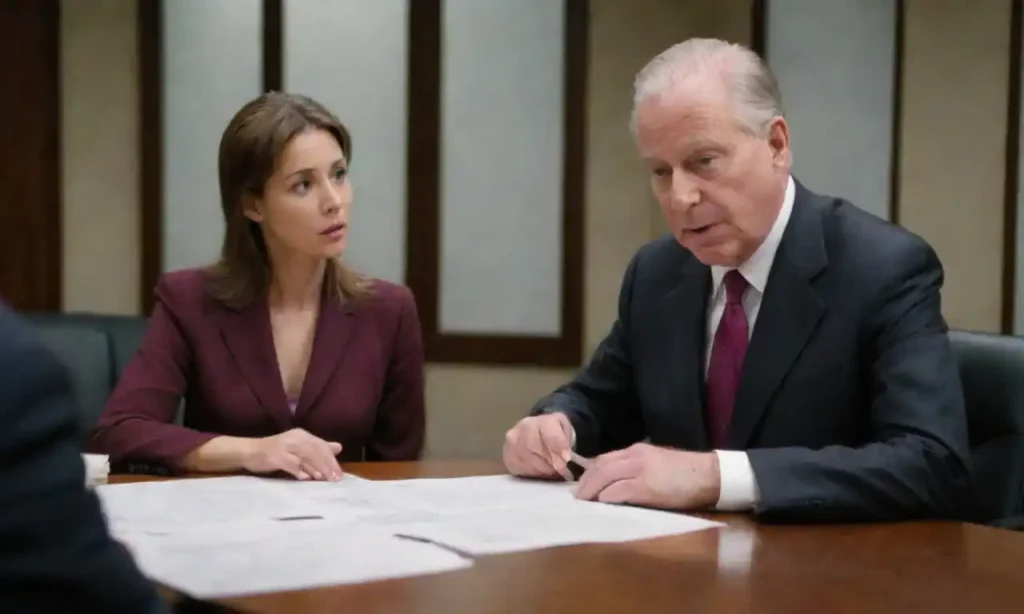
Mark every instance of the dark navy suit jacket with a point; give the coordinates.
(849, 404)
(55, 552)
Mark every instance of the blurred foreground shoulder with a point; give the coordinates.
(55, 551)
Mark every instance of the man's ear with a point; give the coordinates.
(778, 140)
(251, 207)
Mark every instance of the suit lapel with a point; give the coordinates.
(249, 338)
(790, 312)
(685, 307)
(334, 329)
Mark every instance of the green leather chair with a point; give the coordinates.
(992, 375)
(95, 348)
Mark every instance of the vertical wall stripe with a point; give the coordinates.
(151, 147)
(897, 111)
(273, 45)
(1012, 319)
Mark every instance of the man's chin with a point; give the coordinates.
(724, 255)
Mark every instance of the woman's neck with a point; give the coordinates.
(297, 280)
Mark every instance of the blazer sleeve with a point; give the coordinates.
(916, 463)
(400, 426)
(138, 421)
(601, 400)
(56, 554)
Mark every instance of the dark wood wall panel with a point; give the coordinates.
(30, 168)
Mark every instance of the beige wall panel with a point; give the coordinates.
(953, 141)
(100, 134)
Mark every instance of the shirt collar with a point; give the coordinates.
(756, 268)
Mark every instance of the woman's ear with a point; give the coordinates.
(251, 207)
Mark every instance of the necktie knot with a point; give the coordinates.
(735, 284)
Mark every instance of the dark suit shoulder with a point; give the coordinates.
(658, 263)
(27, 370)
(870, 249)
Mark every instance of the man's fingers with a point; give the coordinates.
(623, 491)
(532, 464)
(556, 443)
(603, 474)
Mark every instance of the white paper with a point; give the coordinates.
(543, 518)
(171, 505)
(272, 556)
(500, 513)
(230, 536)
(483, 493)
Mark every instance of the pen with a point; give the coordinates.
(583, 462)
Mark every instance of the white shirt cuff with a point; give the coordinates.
(738, 486)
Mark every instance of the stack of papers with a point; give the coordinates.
(97, 469)
(222, 537)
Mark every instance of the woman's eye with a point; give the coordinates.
(340, 174)
(301, 187)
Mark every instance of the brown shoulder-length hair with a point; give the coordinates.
(250, 149)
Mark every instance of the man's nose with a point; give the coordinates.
(684, 193)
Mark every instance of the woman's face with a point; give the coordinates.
(305, 203)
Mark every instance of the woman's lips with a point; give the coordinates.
(335, 232)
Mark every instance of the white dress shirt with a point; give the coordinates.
(739, 488)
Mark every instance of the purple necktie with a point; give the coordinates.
(727, 352)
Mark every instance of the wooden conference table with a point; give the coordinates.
(916, 567)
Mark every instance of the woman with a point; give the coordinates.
(286, 359)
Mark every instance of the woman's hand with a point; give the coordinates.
(296, 452)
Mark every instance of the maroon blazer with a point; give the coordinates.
(363, 387)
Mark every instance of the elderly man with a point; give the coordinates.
(782, 352)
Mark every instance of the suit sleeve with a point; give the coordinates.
(601, 400)
(56, 554)
(400, 427)
(138, 421)
(916, 462)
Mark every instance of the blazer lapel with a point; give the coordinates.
(685, 309)
(790, 312)
(334, 328)
(249, 338)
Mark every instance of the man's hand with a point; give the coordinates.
(650, 476)
(539, 447)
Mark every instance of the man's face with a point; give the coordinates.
(719, 187)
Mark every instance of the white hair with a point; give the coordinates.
(755, 92)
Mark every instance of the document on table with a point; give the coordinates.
(495, 514)
(269, 556)
(167, 506)
(243, 535)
